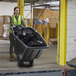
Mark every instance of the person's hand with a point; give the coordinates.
(26, 26)
(14, 26)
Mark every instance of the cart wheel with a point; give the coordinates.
(31, 63)
(20, 63)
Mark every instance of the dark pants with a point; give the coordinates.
(11, 43)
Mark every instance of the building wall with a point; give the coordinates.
(71, 30)
(6, 8)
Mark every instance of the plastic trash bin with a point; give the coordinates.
(27, 53)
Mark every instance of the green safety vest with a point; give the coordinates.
(15, 22)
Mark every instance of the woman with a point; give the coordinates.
(15, 20)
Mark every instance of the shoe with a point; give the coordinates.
(11, 58)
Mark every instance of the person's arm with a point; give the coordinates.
(12, 22)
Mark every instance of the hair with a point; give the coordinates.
(15, 8)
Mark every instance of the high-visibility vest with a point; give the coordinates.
(15, 21)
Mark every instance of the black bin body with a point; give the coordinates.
(25, 53)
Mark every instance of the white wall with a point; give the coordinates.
(71, 30)
(6, 8)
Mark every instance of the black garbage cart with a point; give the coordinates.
(24, 51)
